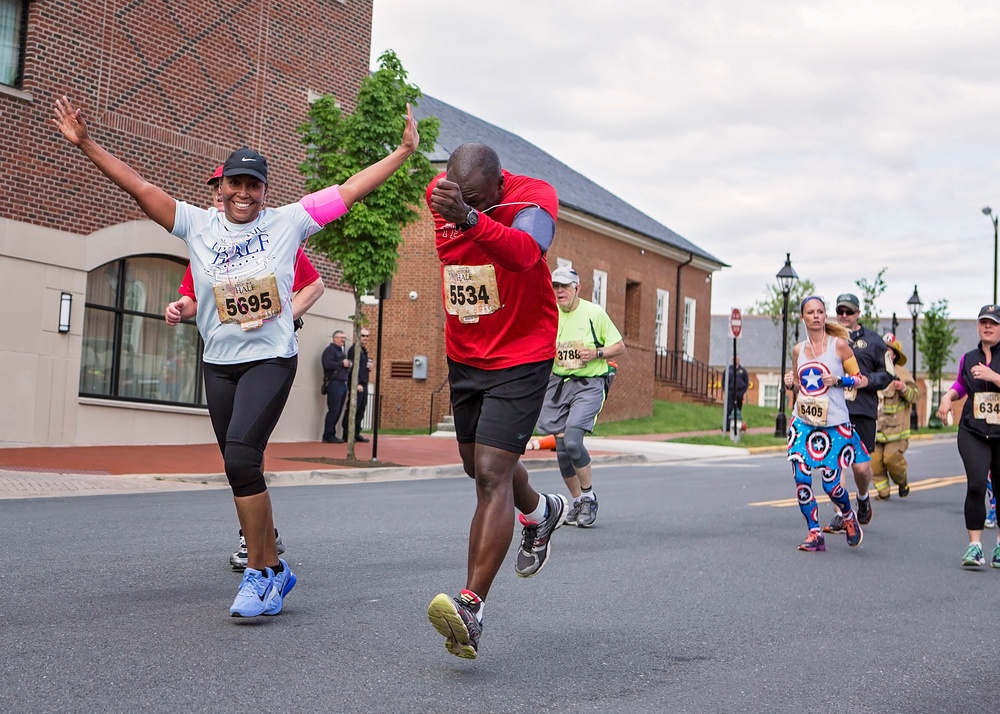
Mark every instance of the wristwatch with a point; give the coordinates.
(471, 219)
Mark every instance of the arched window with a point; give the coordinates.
(129, 351)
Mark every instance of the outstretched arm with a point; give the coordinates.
(307, 297)
(153, 201)
(368, 179)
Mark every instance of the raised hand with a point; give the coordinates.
(411, 137)
(69, 120)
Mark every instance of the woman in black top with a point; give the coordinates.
(979, 428)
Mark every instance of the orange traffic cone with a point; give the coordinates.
(542, 442)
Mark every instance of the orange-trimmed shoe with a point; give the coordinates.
(813, 542)
(853, 528)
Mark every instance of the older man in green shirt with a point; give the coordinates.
(577, 388)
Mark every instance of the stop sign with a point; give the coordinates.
(735, 323)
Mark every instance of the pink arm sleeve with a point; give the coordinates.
(325, 205)
(958, 386)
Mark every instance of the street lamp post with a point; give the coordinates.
(988, 212)
(914, 306)
(786, 278)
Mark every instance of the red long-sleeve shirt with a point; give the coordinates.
(305, 274)
(524, 329)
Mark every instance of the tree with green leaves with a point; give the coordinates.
(774, 300)
(935, 338)
(365, 242)
(870, 293)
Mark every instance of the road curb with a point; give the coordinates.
(319, 477)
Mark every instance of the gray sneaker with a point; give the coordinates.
(456, 619)
(239, 559)
(573, 513)
(588, 513)
(534, 550)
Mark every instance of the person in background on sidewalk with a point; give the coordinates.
(364, 375)
(978, 428)
(307, 288)
(893, 436)
(820, 436)
(577, 388)
(243, 264)
(862, 402)
(336, 372)
(493, 230)
(739, 382)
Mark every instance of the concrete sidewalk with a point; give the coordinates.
(35, 472)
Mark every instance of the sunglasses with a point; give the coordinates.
(845, 311)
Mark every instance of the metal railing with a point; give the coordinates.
(692, 376)
(430, 418)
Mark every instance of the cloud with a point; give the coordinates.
(853, 135)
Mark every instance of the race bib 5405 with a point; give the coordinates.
(812, 410)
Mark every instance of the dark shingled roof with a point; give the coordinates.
(521, 157)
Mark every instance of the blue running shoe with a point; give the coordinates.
(283, 584)
(996, 557)
(256, 592)
(991, 519)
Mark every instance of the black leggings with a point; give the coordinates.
(980, 456)
(245, 401)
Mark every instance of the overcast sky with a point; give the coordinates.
(853, 135)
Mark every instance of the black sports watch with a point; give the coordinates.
(471, 219)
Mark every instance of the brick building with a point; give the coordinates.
(655, 284)
(171, 88)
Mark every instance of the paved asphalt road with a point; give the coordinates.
(685, 597)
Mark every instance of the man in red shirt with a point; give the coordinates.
(493, 230)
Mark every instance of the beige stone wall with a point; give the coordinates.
(41, 398)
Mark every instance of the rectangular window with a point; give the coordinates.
(13, 27)
(662, 312)
(770, 396)
(564, 263)
(689, 305)
(600, 293)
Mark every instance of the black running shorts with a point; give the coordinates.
(498, 407)
(866, 431)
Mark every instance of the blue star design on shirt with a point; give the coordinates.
(812, 379)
